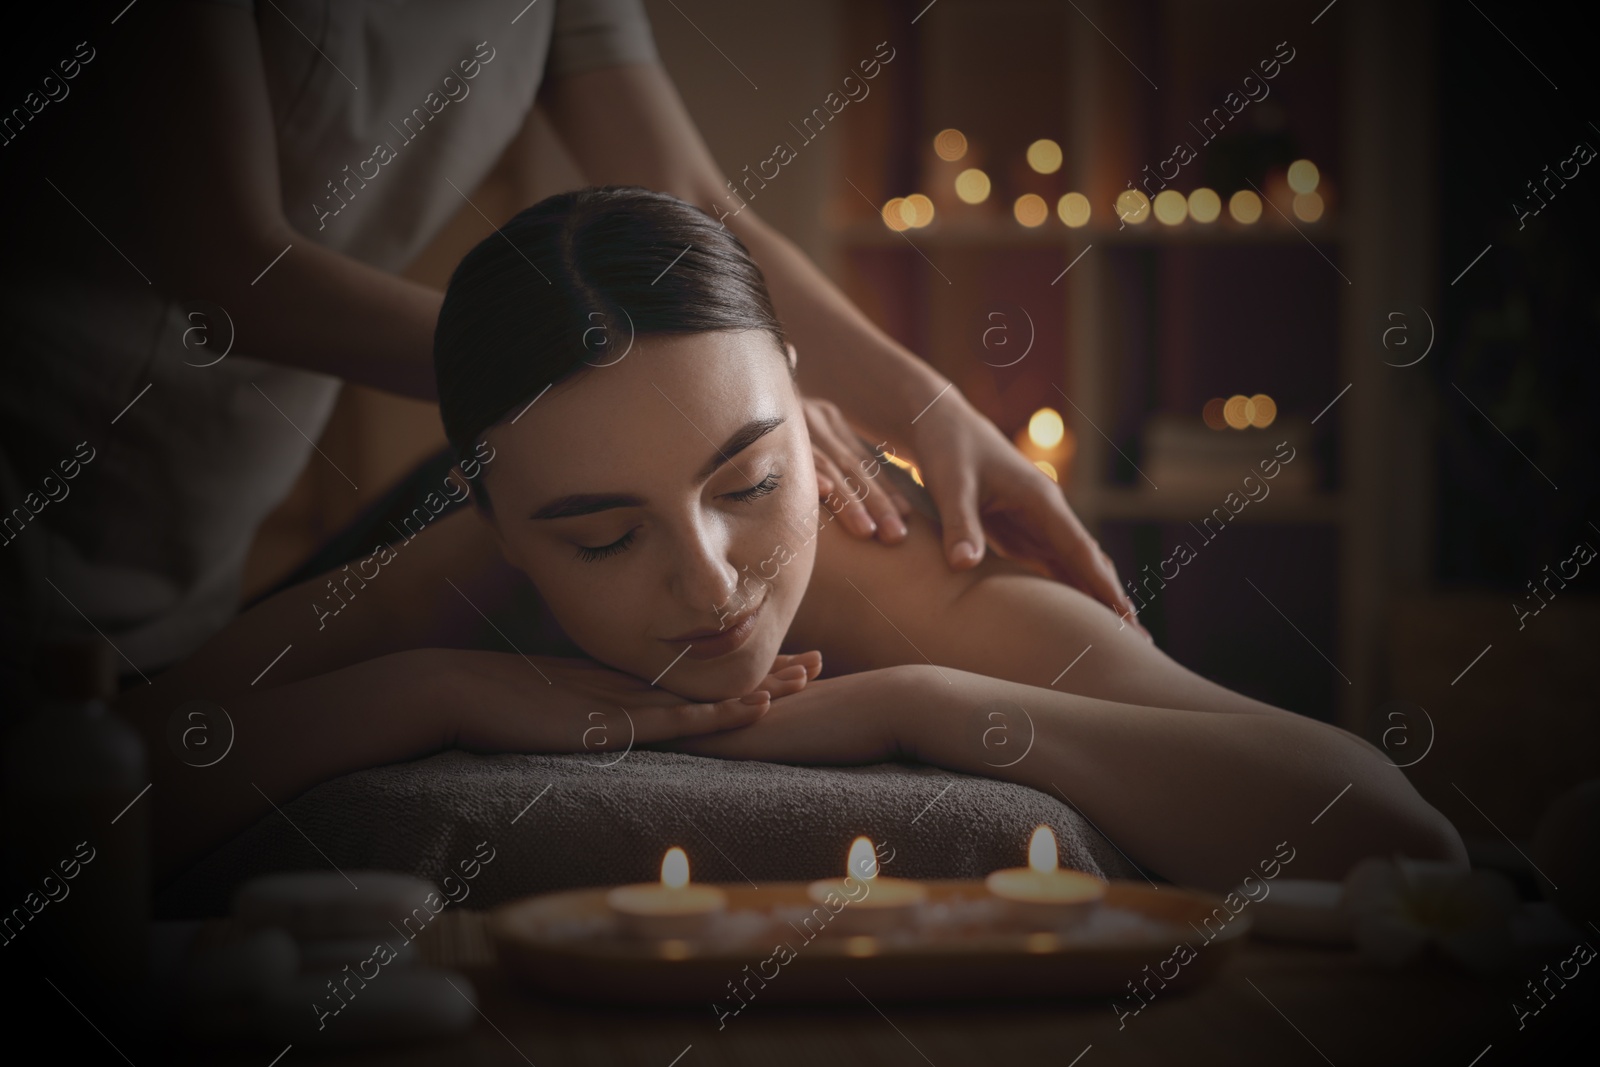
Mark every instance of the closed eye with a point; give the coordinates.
(760, 489)
(590, 555)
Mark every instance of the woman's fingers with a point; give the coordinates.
(811, 660)
(691, 720)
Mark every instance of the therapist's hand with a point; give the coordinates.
(844, 467)
(983, 486)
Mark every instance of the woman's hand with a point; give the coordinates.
(983, 486)
(841, 464)
(868, 717)
(501, 702)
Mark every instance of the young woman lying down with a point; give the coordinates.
(639, 458)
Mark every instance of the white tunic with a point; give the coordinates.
(147, 540)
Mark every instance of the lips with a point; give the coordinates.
(710, 644)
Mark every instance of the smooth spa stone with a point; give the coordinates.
(314, 905)
(330, 954)
(1303, 910)
(408, 1004)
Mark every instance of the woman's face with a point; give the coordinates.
(665, 508)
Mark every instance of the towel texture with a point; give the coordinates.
(561, 822)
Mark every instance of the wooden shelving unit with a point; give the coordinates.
(1102, 119)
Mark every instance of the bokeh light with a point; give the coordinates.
(920, 209)
(1044, 156)
(1212, 414)
(1046, 428)
(1303, 176)
(1205, 205)
(1049, 468)
(1073, 209)
(1171, 207)
(1031, 210)
(950, 145)
(1261, 409)
(972, 186)
(1245, 206)
(1307, 207)
(894, 215)
(1233, 412)
(1133, 206)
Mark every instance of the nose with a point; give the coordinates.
(703, 577)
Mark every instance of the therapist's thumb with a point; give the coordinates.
(956, 497)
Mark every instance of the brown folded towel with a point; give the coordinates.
(593, 824)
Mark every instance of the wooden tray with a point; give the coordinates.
(617, 969)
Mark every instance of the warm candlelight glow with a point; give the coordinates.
(1031, 210)
(1171, 207)
(1303, 176)
(670, 908)
(919, 209)
(1234, 413)
(863, 862)
(1244, 206)
(1261, 409)
(1205, 205)
(1073, 209)
(861, 946)
(1133, 206)
(894, 215)
(863, 901)
(1044, 156)
(1307, 207)
(675, 868)
(950, 145)
(1042, 896)
(1212, 413)
(1046, 428)
(972, 186)
(905, 465)
(1048, 468)
(1042, 850)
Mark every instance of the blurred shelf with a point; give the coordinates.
(877, 235)
(1191, 505)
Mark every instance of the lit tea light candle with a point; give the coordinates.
(670, 908)
(1041, 895)
(865, 902)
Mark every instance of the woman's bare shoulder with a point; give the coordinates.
(866, 599)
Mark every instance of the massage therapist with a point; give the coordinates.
(283, 162)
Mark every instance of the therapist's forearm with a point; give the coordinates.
(844, 357)
(322, 311)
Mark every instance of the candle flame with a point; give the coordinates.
(675, 868)
(1042, 850)
(863, 862)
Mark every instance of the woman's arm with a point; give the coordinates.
(1199, 798)
(1188, 777)
(313, 690)
(283, 740)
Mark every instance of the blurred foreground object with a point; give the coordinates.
(77, 825)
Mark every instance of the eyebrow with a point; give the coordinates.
(588, 503)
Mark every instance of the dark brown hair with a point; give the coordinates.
(570, 283)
